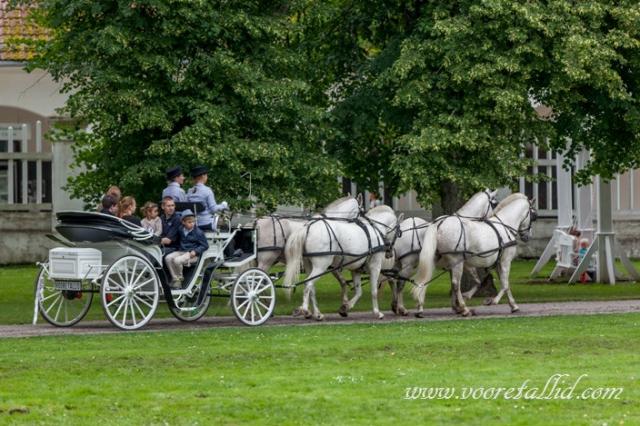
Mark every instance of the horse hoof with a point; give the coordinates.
(515, 310)
(343, 311)
(379, 315)
(488, 301)
(319, 317)
(307, 315)
(394, 308)
(466, 313)
(419, 315)
(297, 312)
(403, 312)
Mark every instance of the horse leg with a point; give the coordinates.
(393, 284)
(375, 265)
(473, 272)
(503, 273)
(357, 283)
(456, 277)
(405, 271)
(344, 289)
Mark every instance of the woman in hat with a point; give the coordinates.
(175, 178)
(201, 193)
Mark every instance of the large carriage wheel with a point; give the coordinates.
(62, 308)
(130, 292)
(187, 308)
(253, 297)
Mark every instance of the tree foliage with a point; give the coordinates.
(445, 90)
(188, 82)
(423, 94)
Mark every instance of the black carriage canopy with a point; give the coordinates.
(96, 227)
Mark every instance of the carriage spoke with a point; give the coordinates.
(142, 314)
(54, 302)
(126, 308)
(266, 287)
(133, 314)
(247, 309)
(59, 307)
(66, 311)
(263, 305)
(44, 299)
(242, 304)
(115, 314)
(142, 272)
(135, 296)
(109, 279)
(253, 317)
(114, 300)
(150, 280)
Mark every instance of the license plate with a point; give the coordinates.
(68, 285)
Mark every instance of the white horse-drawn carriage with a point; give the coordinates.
(122, 263)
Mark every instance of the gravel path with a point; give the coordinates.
(438, 314)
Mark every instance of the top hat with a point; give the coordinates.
(173, 172)
(199, 171)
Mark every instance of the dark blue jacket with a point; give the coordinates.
(195, 240)
(170, 227)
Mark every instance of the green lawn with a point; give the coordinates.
(16, 294)
(345, 374)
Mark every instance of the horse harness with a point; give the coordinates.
(275, 247)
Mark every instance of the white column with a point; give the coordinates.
(25, 166)
(38, 137)
(10, 195)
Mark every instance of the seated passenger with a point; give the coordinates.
(109, 205)
(126, 209)
(201, 193)
(151, 221)
(192, 244)
(175, 178)
(170, 226)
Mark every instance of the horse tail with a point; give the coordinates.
(293, 251)
(426, 263)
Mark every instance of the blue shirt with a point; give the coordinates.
(203, 194)
(174, 191)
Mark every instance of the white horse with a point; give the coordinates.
(477, 243)
(273, 231)
(408, 245)
(341, 244)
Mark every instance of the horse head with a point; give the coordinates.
(524, 230)
(384, 219)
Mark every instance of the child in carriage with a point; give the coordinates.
(151, 221)
(192, 244)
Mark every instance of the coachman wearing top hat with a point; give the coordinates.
(175, 179)
(200, 192)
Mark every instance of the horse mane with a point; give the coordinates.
(338, 202)
(504, 203)
(381, 209)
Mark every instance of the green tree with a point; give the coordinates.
(442, 92)
(187, 82)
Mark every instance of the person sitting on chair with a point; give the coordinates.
(201, 193)
(170, 226)
(192, 244)
(175, 178)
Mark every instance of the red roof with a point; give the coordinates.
(14, 24)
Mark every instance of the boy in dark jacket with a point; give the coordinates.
(192, 244)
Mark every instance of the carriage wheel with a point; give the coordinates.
(62, 308)
(186, 307)
(253, 297)
(130, 292)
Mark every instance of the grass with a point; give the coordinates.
(16, 294)
(348, 374)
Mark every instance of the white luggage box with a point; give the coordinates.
(74, 263)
